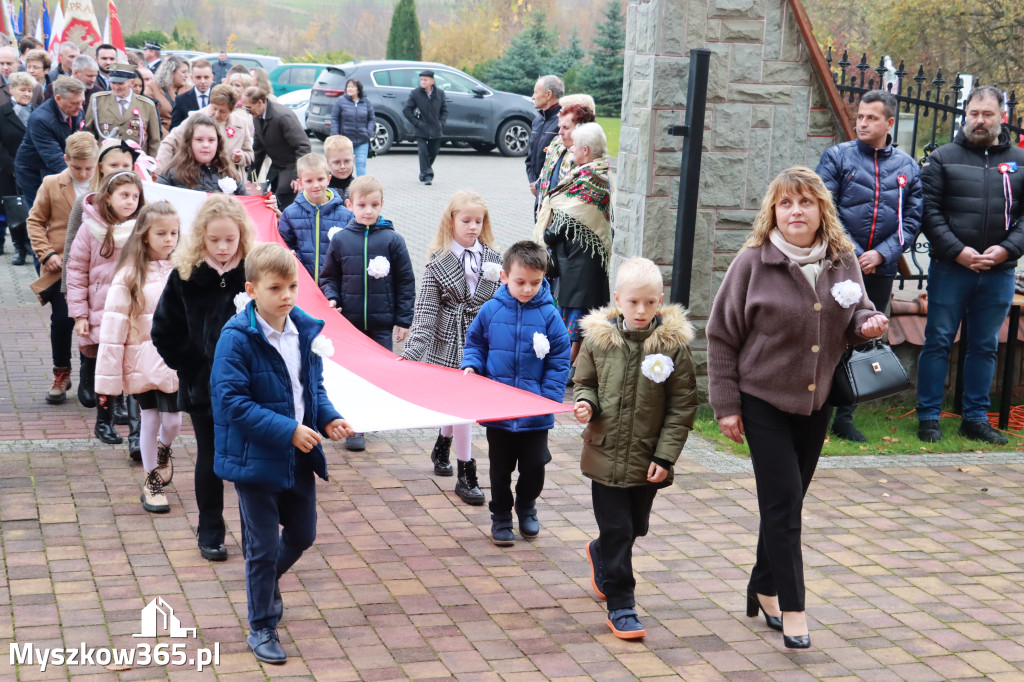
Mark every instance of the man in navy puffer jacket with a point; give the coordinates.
(518, 338)
(877, 192)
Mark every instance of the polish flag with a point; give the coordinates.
(112, 30)
(373, 388)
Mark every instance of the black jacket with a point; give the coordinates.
(280, 136)
(545, 127)
(42, 150)
(368, 302)
(184, 104)
(964, 198)
(187, 325)
(12, 130)
(427, 114)
(208, 181)
(582, 279)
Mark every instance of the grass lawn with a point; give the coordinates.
(889, 432)
(611, 130)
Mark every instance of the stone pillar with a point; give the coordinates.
(766, 111)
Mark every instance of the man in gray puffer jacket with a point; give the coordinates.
(877, 192)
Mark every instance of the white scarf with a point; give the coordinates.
(810, 259)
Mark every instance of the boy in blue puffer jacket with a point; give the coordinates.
(519, 339)
(270, 407)
(308, 223)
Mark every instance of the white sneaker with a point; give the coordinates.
(153, 498)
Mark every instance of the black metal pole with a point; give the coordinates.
(689, 174)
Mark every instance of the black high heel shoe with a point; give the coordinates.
(754, 605)
(795, 641)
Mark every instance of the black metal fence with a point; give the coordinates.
(930, 108)
(935, 110)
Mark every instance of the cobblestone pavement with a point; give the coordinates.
(913, 565)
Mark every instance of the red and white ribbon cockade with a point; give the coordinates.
(229, 131)
(901, 180)
(1005, 169)
(375, 389)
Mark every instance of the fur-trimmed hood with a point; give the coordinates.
(673, 329)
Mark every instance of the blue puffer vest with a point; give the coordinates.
(500, 346)
(253, 412)
(302, 222)
(865, 185)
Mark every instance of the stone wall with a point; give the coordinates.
(766, 111)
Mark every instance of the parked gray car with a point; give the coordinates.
(478, 115)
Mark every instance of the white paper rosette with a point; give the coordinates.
(378, 267)
(323, 347)
(657, 367)
(227, 185)
(333, 231)
(541, 345)
(846, 293)
(491, 272)
(241, 300)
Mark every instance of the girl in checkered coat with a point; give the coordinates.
(462, 274)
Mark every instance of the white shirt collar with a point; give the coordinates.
(458, 248)
(289, 327)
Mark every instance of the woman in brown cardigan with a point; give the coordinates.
(788, 306)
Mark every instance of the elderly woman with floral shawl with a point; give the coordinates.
(574, 220)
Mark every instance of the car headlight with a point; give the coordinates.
(297, 105)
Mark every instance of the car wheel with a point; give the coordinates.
(482, 147)
(383, 137)
(514, 138)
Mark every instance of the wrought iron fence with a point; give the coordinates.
(928, 107)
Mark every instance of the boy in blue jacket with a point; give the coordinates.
(319, 212)
(368, 275)
(269, 403)
(519, 339)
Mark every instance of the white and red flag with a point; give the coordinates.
(370, 386)
(112, 31)
(80, 25)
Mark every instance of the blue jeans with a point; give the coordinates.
(279, 526)
(361, 151)
(981, 300)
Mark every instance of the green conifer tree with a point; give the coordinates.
(404, 36)
(531, 54)
(604, 76)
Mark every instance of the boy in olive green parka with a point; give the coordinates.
(636, 389)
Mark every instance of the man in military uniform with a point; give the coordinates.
(122, 114)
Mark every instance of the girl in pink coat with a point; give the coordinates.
(128, 360)
(108, 218)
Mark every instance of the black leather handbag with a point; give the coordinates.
(866, 373)
(15, 209)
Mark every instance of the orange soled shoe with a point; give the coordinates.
(625, 624)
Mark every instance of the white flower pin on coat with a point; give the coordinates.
(541, 345)
(333, 231)
(657, 367)
(227, 185)
(491, 271)
(847, 292)
(322, 346)
(379, 267)
(241, 300)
